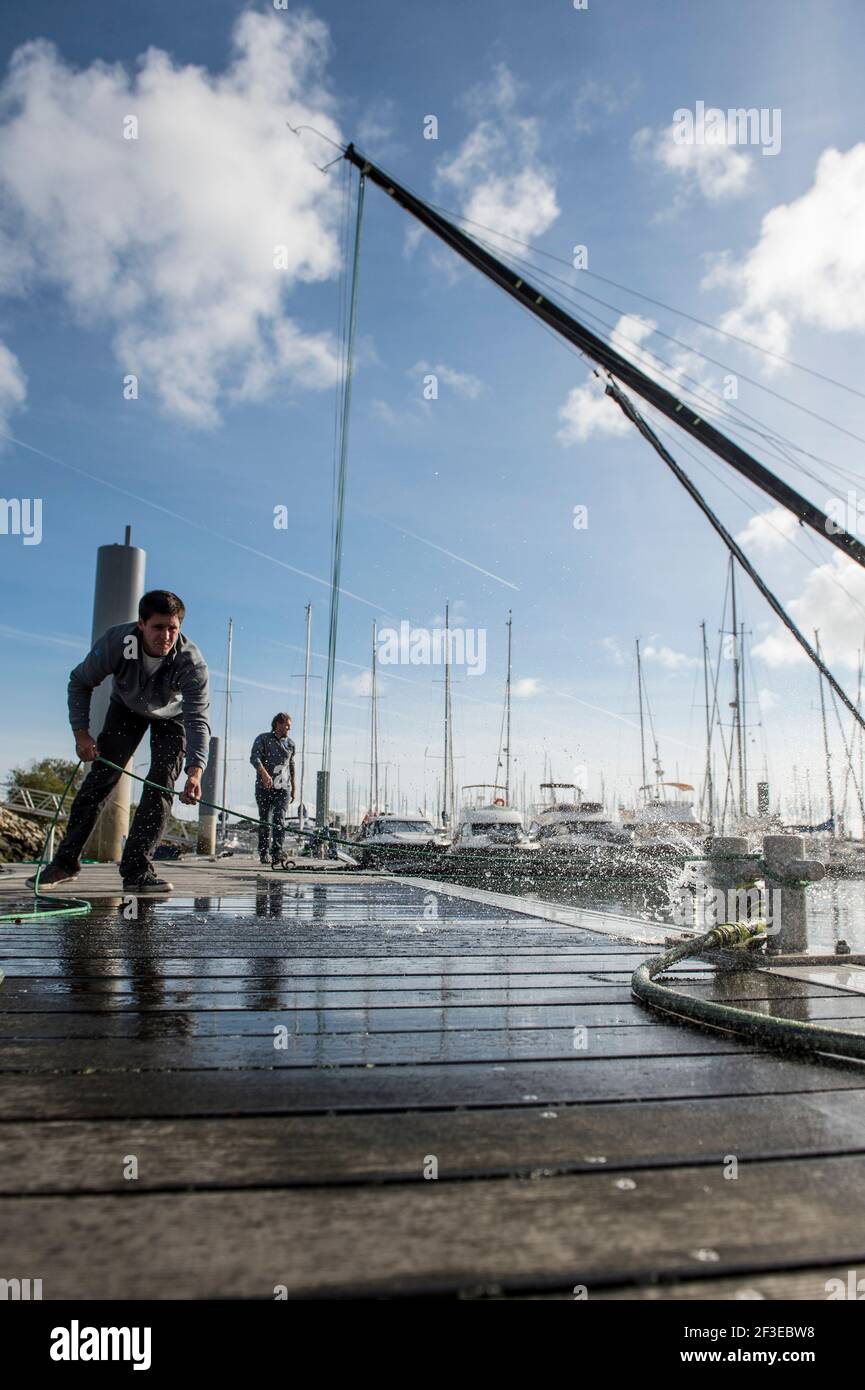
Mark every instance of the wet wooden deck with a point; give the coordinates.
(248, 1089)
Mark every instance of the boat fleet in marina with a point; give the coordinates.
(564, 836)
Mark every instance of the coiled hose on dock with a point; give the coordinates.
(788, 1034)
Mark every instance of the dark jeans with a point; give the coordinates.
(271, 802)
(121, 734)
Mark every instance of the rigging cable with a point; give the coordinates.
(630, 411)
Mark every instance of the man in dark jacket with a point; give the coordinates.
(160, 684)
(272, 757)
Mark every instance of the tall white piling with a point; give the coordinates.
(208, 819)
(118, 589)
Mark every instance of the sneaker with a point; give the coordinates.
(147, 886)
(52, 873)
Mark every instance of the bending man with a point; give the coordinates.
(272, 757)
(159, 684)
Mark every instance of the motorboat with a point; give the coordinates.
(491, 839)
(388, 839)
(577, 836)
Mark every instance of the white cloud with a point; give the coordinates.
(767, 699)
(825, 606)
(463, 383)
(769, 531)
(669, 659)
(587, 410)
(612, 646)
(714, 171)
(496, 173)
(596, 100)
(168, 240)
(13, 385)
(360, 684)
(526, 687)
(808, 266)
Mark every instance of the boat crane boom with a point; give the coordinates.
(606, 356)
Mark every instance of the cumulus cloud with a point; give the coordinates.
(497, 174)
(832, 601)
(713, 171)
(768, 532)
(185, 242)
(526, 687)
(587, 410)
(13, 385)
(808, 265)
(668, 658)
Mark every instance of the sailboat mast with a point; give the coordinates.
(446, 789)
(742, 665)
(305, 705)
(709, 788)
(508, 718)
(642, 724)
(227, 726)
(826, 743)
(373, 728)
(737, 707)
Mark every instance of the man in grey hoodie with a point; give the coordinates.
(159, 684)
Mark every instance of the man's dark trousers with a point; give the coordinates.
(121, 734)
(271, 802)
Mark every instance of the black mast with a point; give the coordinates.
(607, 357)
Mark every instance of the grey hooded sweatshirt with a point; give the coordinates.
(177, 688)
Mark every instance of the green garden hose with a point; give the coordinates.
(790, 1035)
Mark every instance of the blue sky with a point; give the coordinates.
(556, 124)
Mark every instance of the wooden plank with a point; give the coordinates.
(25, 993)
(130, 997)
(374, 973)
(88, 1022)
(167, 1047)
(286, 1091)
(590, 1228)
(297, 1150)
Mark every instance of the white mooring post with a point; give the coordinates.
(208, 819)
